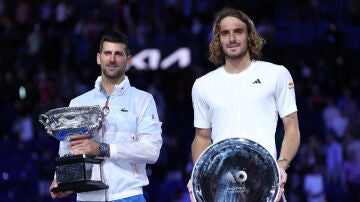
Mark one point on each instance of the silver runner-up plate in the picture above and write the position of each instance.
(235, 170)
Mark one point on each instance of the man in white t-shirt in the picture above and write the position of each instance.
(244, 96)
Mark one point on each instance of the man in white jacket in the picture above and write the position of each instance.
(131, 135)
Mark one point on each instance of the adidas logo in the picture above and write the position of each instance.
(257, 81)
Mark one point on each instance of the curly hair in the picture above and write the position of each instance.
(255, 41)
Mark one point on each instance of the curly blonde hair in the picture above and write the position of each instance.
(255, 41)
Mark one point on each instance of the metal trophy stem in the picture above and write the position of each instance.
(78, 173)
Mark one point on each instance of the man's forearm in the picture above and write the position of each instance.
(198, 146)
(290, 142)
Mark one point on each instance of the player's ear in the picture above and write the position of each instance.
(128, 60)
(98, 55)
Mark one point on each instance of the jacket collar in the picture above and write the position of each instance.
(119, 89)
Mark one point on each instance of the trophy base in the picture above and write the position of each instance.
(79, 187)
(79, 173)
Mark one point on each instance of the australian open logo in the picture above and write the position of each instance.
(236, 180)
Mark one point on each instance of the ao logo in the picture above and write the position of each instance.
(239, 176)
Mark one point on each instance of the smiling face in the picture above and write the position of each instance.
(234, 38)
(113, 61)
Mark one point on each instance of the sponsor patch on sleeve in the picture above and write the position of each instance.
(291, 85)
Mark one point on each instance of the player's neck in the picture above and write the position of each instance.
(236, 66)
(108, 84)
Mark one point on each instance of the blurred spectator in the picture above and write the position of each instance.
(63, 11)
(350, 172)
(34, 40)
(314, 185)
(329, 113)
(22, 12)
(340, 125)
(334, 160)
(24, 126)
(349, 105)
(309, 152)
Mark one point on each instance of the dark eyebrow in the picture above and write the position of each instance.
(224, 31)
(116, 52)
(235, 30)
(239, 29)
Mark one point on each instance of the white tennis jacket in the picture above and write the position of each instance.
(133, 131)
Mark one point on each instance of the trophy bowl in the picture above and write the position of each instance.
(63, 122)
(235, 170)
(78, 173)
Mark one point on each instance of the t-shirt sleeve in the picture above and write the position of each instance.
(201, 109)
(285, 93)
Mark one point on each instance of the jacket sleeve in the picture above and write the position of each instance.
(146, 143)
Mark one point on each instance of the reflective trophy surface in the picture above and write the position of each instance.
(235, 170)
(78, 173)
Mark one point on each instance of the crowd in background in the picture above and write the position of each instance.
(47, 57)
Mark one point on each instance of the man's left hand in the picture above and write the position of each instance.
(283, 179)
(82, 144)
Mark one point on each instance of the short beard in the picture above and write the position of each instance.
(113, 75)
(235, 56)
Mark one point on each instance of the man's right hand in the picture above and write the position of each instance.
(58, 194)
(191, 193)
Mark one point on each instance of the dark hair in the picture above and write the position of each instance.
(116, 37)
(255, 41)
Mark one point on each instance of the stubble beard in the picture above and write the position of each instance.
(235, 56)
(113, 74)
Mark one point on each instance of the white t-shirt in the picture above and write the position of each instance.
(245, 105)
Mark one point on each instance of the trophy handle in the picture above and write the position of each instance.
(43, 119)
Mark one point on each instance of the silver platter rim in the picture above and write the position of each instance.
(247, 142)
